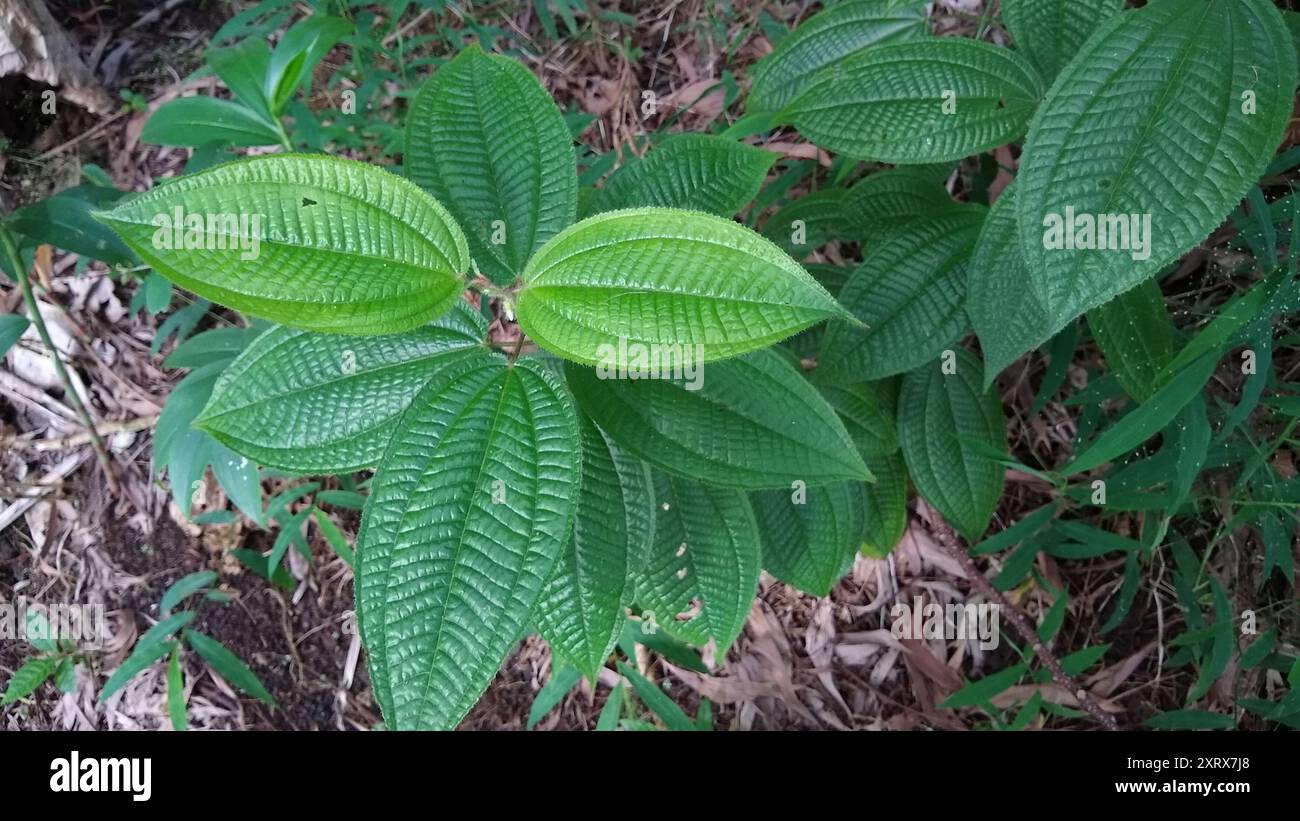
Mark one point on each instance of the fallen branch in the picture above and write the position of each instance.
(952, 544)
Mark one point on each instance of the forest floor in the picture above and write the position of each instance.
(801, 662)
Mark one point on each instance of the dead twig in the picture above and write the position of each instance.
(951, 543)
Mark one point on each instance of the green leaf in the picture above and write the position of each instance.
(607, 721)
(1051, 31)
(228, 665)
(153, 645)
(552, 693)
(811, 221)
(485, 138)
(468, 513)
(824, 40)
(1165, 118)
(327, 403)
(580, 611)
(886, 505)
(1190, 720)
(243, 67)
(65, 221)
(194, 121)
(32, 674)
(936, 412)
(995, 290)
(695, 172)
(895, 103)
(909, 294)
(646, 281)
(810, 535)
(1148, 418)
(334, 537)
(867, 411)
(185, 587)
(657, 701)
(176, 691)
(754, 423)
(12, 328)
(1136, 337)
(297, 54)
(703, 571)
(979, 692)
(882, 203)
(322, 244)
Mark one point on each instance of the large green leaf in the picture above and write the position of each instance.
(928, 100)
(697, 172)
(328, 403)
(997, 290)
(754, 422)
(658, 281)
(580, 611)
(195, 121)
(886, 504)
(484, 137)
(311, 242)
(825, 39)
(936, 412)
(703, 571)
(1051, 31)
(1136, 336)
(882, 203)
(810, 535)
(909, 293)
(1161, 123)
(467, 515)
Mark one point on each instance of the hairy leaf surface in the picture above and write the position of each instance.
(1161, 123)
(935, 412)
(703, 571)
(308, 241)
(486, 139)
(1050, 32)
(695, 172)
(468, 513)
(886, 504)
(825, 39)
(328, 403)
(909, 293)
(755, 422)
(656, 277)
(580, 612)
(895, 103)
(810, 542)
(1007, 315)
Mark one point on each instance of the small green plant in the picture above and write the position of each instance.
(652, 449)
(56, 658)
(169, 635)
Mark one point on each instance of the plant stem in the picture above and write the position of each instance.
(25, 284)
(951, 544)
